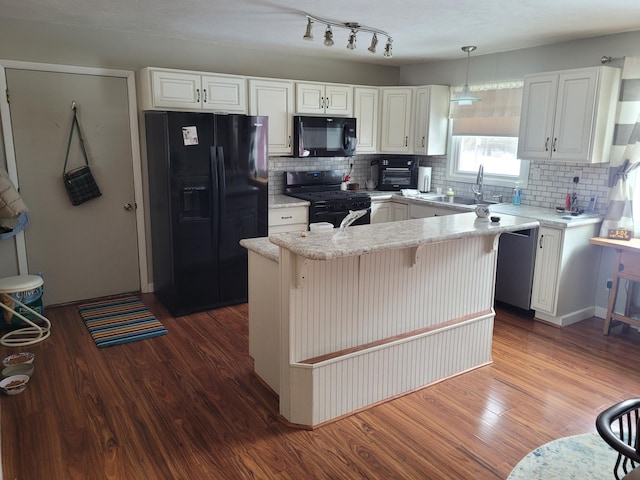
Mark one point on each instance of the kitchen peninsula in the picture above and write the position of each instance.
(343, 319)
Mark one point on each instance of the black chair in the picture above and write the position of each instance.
(618, 426)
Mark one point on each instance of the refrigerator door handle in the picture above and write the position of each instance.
(222, 185)
(214, 194)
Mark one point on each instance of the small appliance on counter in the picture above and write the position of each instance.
(424, 179)
(395, 174)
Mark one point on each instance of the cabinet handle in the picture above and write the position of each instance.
(423, 140)
(406, 141)
(289, 140)
(198, 95)
(540, 241)
(546, 145)
(326, 99)
(286, 218)
(204, 91)
(555, 140)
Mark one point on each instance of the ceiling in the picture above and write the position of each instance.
(422, 30)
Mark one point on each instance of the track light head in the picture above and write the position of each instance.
(374, 42)
(308, 35)
(351, 44)
(328, 36)
(387, 49)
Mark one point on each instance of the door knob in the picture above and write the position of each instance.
(128, 207)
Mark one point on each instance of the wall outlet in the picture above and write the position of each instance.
(609, 284)
(592, 203)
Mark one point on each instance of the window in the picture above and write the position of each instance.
(486, 133)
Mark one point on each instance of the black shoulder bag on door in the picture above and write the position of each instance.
(80, 184)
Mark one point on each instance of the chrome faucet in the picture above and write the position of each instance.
(477, 188)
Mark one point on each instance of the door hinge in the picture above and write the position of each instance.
(7, 94)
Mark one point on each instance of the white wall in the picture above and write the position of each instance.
(515, 64)
(49, 43)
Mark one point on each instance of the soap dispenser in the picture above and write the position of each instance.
(517, 193)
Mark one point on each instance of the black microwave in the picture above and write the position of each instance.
(324, 136)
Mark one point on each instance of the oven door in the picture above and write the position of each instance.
(335, 217)
(396, 178)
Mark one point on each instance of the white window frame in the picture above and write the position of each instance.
(454, 174)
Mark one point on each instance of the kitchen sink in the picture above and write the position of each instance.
(460, 200)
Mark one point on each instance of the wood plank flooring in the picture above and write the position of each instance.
(187, 406)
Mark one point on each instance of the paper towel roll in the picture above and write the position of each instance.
(424, 179)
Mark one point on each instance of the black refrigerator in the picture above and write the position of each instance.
(208, 187)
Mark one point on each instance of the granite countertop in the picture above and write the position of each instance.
(546, 216)
(263, 246)
(284, 201)
(362, 239)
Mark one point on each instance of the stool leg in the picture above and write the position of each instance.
(612, 303)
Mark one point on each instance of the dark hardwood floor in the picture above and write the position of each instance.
(187, 406)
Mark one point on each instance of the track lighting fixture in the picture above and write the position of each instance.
(308, 35)
(351, 44)
(374, 42)
(465, 97)
(354, 28)
(328, 36)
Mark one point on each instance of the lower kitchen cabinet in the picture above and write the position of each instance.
(423, 211)
(565, 274)
(388, 211)
(288, 219)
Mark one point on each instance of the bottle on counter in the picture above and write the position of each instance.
(517, 194)
(450, 194)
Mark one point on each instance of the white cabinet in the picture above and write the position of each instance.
(320, 98)
(192, 91)
(569, 115)
(431, 124)
(365, 106)
(565, 274)
(274, 98)
(288, 219)
(396, 112)
(388, 211)
(423, 211)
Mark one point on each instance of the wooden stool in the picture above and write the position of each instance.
(34, 333)
(625, 267)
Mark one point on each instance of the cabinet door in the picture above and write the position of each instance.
(431, 124)
(396, 120)
(338, 100)
(536, 120)
(399, 211)
(224, 94)
(274, 98)
(380, 212)
(366, 113)
(545, 275)
(575, 116)
(310, 98)
(176, 90)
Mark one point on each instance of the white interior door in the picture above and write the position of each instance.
(89, 250)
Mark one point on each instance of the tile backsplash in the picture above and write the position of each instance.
(549, 181)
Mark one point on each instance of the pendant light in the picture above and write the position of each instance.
(465, 97)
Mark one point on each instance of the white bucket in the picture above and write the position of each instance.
(26, 289)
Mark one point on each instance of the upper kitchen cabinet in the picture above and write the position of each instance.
(320, 98)
(365, 106)
(165, 89)
(274, 98)
(395, 128)
(431, 120)
(569, 115)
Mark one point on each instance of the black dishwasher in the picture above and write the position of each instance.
(514, 274)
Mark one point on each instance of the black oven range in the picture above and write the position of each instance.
(328, 203)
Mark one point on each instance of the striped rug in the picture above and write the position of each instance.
(121, 320)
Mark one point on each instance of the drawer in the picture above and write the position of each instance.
(287, 216)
